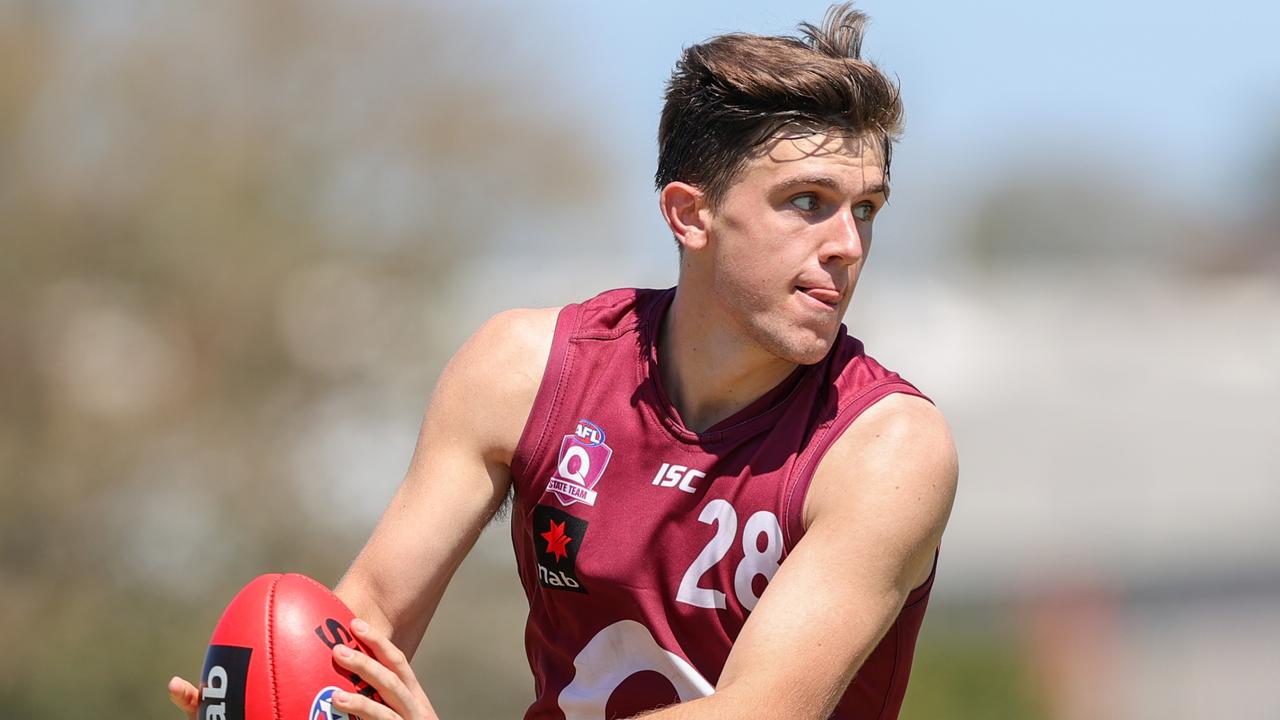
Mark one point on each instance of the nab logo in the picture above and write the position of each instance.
(222, 683)
(322, 707)
(678, 476)
(558, 537)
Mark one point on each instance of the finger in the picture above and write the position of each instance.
(387, 653)
(362, 707)
(387, 683)
(185, 696)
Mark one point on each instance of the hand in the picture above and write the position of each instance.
(185, 696)
(394, 680)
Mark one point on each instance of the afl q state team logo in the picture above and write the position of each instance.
(583, 458)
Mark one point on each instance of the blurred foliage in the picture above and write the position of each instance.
(219, 221)
(969, 666)
(1069, 212)
(1081, 210)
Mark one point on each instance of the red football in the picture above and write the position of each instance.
(271, 655)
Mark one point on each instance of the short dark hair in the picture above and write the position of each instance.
(731, 94)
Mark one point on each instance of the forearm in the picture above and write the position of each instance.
(400, 612)
(363, 603)
(401, 574)
(711, 707)
(729, 705)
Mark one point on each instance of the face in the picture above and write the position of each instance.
(790, 237)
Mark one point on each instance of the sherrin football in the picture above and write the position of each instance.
(271, 654)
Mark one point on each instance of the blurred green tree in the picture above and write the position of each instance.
(224, 224)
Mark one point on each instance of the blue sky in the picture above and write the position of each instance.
(1181, 98)
(1158, 73)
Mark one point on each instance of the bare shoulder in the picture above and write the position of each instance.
(893, 472)
(490, 384)
(899, 429)
(515, 341)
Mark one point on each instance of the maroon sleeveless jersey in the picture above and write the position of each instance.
(643, 546)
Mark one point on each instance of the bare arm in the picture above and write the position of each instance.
(874, 514)
(460, 471)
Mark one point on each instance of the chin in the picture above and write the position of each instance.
(808, 350)
(793, 339)
(811, 356)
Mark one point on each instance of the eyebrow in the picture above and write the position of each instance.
(827, 182)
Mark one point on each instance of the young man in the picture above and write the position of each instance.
(719, 499)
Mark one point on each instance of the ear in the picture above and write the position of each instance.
(684, 208)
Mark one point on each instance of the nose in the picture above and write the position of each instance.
(843, 242)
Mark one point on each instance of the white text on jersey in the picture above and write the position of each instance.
(678, 476)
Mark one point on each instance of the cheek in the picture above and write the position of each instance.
(761, 254)
(758, 260)
(736, 282)
(751, 276)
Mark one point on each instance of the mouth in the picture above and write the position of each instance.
(829, 298)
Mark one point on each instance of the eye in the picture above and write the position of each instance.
(807, 202)
(865, 211)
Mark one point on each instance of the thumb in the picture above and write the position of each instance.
(184, 695)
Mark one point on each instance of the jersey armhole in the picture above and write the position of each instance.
(802, 475)
(549, 397)
(921, 592)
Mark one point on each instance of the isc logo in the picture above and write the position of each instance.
(678, 476)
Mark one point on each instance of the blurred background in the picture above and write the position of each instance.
(238, 241)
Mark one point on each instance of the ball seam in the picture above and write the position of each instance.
(271, 642)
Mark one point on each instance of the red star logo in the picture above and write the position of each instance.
(557, 541)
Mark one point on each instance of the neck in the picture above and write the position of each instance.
(709, 369)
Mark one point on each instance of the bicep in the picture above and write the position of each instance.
(878, 505)
(457, 478)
